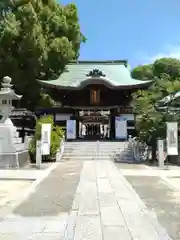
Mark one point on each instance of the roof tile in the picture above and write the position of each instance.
(116, 73)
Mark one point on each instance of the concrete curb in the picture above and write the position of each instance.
(171, 185)
(165, 178)
(7, 209)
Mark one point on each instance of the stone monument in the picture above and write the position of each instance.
(12, 151)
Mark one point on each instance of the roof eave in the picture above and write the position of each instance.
(124, 61)
(132, 86)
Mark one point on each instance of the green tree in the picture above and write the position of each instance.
(151, 123)
(37, 39)
(143, 72)
(161, 67)
(169, 66)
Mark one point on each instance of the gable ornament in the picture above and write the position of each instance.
(95, 73)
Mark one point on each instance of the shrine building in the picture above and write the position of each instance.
(97, 95)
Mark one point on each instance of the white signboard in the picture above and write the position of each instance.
(121, 128)
(172, 138)
(71, 129)
(45, 138)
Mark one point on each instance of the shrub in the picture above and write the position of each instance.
(57, 134)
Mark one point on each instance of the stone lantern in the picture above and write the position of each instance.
(12, 151)
(7, 95)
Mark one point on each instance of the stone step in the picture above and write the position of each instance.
(94, 145)
(94, 158)
(89, 147)
(100, 144)
(100, 148)
(112, 153)
(89, 157)
(82, 151)
(100, 154)
(95, 152)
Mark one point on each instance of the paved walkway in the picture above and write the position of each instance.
(104, 207)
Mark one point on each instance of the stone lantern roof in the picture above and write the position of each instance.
(7, 90)
(7, 94)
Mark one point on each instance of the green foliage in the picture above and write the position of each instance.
(37, 39)
(151, 126)
(169, 66)
(57, 134)
(32, 147)
(151, 123)
(161, 68)
(144, 72)
(46, 100)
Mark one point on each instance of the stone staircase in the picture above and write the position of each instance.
(94, 150)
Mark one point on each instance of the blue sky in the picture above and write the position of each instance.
(137, 30)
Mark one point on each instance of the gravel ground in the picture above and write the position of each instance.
(130, 166)
(9, 189)
(160, 198)
(55, 194)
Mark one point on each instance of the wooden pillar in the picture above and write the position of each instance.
(112, 125)
(114, 113)
(76, 117)
(54, 116)
(77, 124)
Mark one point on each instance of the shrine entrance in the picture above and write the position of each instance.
(94, 125)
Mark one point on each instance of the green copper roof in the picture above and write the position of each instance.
(114, 73)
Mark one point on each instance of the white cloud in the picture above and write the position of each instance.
(171, 51)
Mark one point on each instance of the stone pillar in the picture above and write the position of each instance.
(160, 144)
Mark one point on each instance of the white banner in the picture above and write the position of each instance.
(71, 129)
(45, 138)
(121, 128)
(172, 138)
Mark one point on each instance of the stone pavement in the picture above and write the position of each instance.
(105, 206)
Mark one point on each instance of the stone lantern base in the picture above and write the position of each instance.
(13, 153)
(14, 160)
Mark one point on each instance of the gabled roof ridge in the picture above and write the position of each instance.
(76, 72)
(76, 62)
